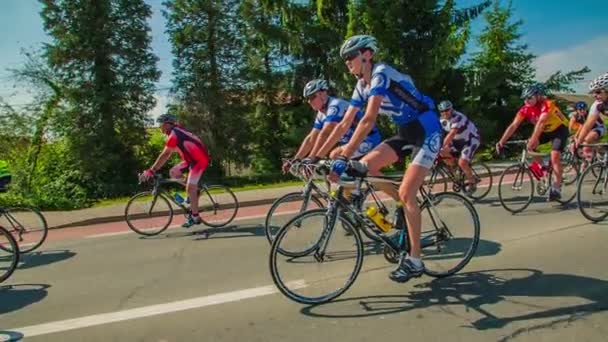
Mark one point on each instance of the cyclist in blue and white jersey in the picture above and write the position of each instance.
(383, 89)
(330, 111)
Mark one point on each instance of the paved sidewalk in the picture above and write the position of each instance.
(115, 212)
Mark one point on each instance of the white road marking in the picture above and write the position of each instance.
(146, 311)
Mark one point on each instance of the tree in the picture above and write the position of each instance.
(562, 82)
(423, 42)
(207, 65)
(101, 51)
(497, 73)
(267, 70)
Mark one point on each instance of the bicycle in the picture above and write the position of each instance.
(442, 172)
(595, 177)
(523, 174)
(320, 225)
(312, 196)
(154, 206)
(9, 254)
(27, 225)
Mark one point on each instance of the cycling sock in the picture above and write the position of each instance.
(416, 261)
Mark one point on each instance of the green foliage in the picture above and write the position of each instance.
(497, 73)
(562, 82)
(207, 74)
(100, 51)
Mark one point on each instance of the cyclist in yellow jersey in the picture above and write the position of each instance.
(549, 125)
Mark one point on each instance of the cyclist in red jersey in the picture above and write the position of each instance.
(550, 125)
(195, 159)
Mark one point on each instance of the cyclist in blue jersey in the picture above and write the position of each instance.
(383, 89)
(330, 111)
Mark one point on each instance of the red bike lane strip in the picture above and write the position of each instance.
(120, 228)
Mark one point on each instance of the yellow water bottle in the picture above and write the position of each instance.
(378, 218)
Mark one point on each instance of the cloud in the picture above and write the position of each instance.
(161, 105)
(592, 53)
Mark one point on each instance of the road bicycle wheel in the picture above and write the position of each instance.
(450, 233)
(483, 173)
(592, 193)
(147, 214)
(217, 205)
(28, 226)
(515, 188)
(285, 208)
(9, 254)
(329, 265)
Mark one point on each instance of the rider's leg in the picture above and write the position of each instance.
(414, 176)
(558, 143)
(591, 138)
(177, 171)
(412, 181)
(465, 160)
(378, 158)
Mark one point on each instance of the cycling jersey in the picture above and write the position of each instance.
(411, 110)
(4, 170)
(5, 175)
(578, 119)
(336, 109)
(466, 128)
(598, 108)
(402, 102)
(193, 152)
(532, 113)
(466, 141)
(190, 148)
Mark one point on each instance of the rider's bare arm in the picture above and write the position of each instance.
(339, 131)
(587, 126)
(364, 126)
(307, 144)
(328, 128)
(162, 158)
(447, 141)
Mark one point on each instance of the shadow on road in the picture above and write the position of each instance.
(453, 247)
(235, 231)
(36, 259)
(18, 296)
(10, 336)
(479, 291)
(204, 233)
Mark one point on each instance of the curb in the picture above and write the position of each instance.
(251, 203)
(118, 218)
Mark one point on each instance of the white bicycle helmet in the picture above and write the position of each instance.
(599, 83)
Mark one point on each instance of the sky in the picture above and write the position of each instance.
(564, 35)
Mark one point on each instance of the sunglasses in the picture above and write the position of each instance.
(349, 57)
(312, 97)
(598, 92)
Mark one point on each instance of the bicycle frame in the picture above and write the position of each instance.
(16, 226)
(159, 189)
(339, 205)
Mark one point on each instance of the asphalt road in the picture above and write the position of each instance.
(537, 276)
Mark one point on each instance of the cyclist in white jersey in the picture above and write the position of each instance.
(462, 138)
(593, 128)
(382, 89)
(330, 111)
